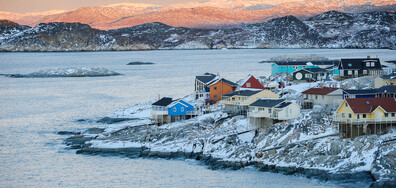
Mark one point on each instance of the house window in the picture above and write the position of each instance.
(356, 72)
(182, 109)
(386, 114)
(174, 109)
(349, 72)
(364, 115)
(343, 115)
(215, 88)
(316, 96)
(269, 110)
(248, 84)
(358, 116)
(364, 71)
(372, 64)
(346, 104)
(308, 75)
(306, 96)
(349, 115)
(368, 64)
(322, 96)
(290, 110)
(215, 96)
(393, 114)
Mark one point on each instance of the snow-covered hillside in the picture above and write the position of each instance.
(307, 145)
(327, 30)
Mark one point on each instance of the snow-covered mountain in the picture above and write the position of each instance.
(209, 14)
(328, 30)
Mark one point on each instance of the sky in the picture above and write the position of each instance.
(23, 6)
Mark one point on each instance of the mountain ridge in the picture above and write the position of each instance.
(328, 30)
(210, 14)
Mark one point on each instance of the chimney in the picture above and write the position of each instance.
(368, 57)
(159, 97)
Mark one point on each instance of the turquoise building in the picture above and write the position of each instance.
(292, 66)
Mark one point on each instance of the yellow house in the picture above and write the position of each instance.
(238, 101)
(385, 80)
(361, 116)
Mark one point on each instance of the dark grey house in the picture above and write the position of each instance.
(350, 68)
(311, 73)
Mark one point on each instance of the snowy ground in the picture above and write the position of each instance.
(310, 141)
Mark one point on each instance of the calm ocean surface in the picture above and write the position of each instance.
(33, 110)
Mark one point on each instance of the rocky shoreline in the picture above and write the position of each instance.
(308, 145)
(79, 141)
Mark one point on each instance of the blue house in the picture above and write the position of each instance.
(292, 66)
(167, 110)
(180, 109)
(385, 91)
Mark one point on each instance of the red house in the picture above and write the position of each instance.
(251, 83)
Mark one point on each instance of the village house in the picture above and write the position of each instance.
(385, 80)
(325, 96)
(251, 82)
(159, 111)
(362, 116)
(167, 110)
(219, 88)
(350, 68)
(292, 66)
(384, 91)
(201, 85)
(237, 102)
(316, 74)
(265, 112)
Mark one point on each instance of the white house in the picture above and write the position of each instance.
(323, 96)
(265, 112)
(201, 85)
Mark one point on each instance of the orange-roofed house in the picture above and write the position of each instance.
(361, 116)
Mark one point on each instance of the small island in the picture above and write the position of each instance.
(140, 63)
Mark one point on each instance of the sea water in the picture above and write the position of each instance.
(33, 110)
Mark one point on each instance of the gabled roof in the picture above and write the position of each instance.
(224, 81)
(267, 102)
(302, 63)
(320, 90)
(284, 104)
(361, 91)
(368, 105)
(244, 93)
(313, 70)
(165, 101)
(180, 101)
(383, 89)
(254, 83)
(206, 78)
(359, 63)
(387, 89)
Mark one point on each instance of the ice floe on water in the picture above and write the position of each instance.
(68, 72)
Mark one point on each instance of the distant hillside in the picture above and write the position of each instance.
(327, 30)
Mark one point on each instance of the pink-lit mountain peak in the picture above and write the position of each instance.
(213, 13)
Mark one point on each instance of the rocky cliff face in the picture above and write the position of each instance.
(328, 30)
